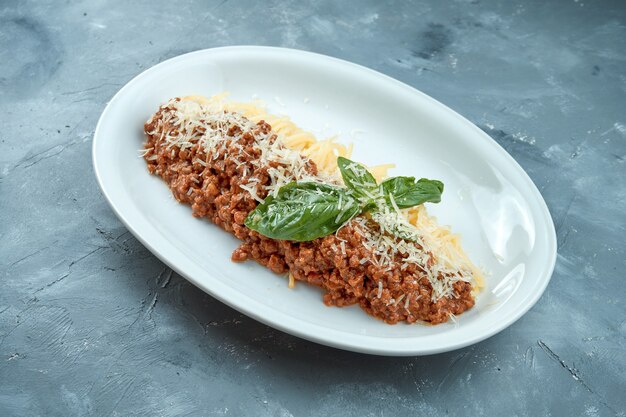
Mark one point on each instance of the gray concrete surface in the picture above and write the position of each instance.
(92, 324)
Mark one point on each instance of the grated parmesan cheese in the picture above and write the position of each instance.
(286, 150)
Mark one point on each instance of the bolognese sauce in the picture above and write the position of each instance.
(223, 165)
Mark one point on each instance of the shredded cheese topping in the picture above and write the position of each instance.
(431, 248)
(207, 122)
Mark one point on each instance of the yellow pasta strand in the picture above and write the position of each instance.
(447, 245)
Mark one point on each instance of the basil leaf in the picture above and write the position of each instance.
(408, 193)
(356, 176)
(303, 211)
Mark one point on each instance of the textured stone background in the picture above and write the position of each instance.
(92, 324)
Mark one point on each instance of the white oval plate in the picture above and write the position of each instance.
(489, 199)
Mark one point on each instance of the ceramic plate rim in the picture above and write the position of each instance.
(316, 333)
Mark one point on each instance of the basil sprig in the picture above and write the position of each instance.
(407, 192)
(356, 177)
(303, 211)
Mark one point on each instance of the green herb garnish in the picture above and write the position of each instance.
(406, 192)
(304, 211)
(356, 177)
